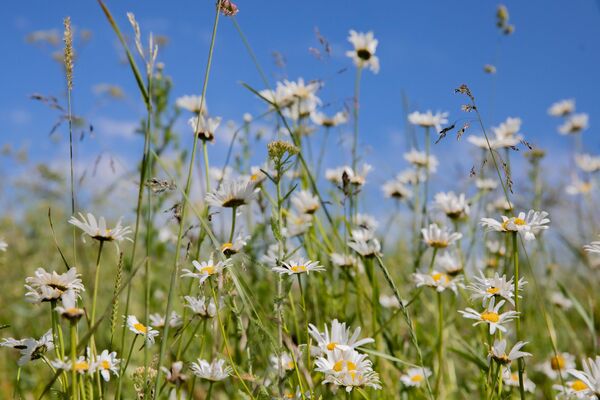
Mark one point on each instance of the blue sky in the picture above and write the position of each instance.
(426, 49)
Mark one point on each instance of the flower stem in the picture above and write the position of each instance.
(74, 390)
(518, 321)
(440, 344)
(233, 216)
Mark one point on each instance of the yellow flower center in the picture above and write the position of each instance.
(438, 244)
(81, 366)
(331, 346)
(254, 177)
(493, 290)
(208, 270)
(298, 268)
(105, 364)
(490, 316)
(226, 246)
(439, 276)
(72, 310)
(417, 378)
(339, 366)
(290, 365)
(140, 328)
(578, 385)
(519, 221)
(557, 363)
(515, 221)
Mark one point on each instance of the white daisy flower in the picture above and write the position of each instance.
(347, 368)
(106, 363)
(561, 301)
(590, 375)
(439, 238)
(301, 97)
(231, 248)
(191, 103)
(557, 365)
(428, 119)
(574, 389)
(202, 306)
(449, 263)
(206, 269)
(69, 309)
(305, 202)
(507, 133)
(338, 118)
(82, 365)
(258, 176)
(339, 337)
(495, 247)
(343, 260)
(437, 280)
(366, 222)
(512, 379)
(420, 160)
(529, 225)
(390, 301)
(30, 349)
(298, 267)
(234, 193)
(574, 124)
(577, 186)
(500, 204)
(455, 207)
(138, 328)
(498, 352)
(174, 375)
(587, 162)
(364, 243)
(214, 371)
(411, 176)
(414, 377)
(204, 127)
(363, 54)
(483, 143)
(497, 286)
(98, 230)
(46, 286)
(396, 190)
(486, 185)
(283, 363)
(491, 316)
(296, 224)
(562, 108)
(158, 321)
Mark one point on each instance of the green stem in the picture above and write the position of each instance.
(518, 321)
(210, 388)
(74, 390)
(440, 344)
(233, 216)
(96, 280)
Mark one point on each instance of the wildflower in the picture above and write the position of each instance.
(587, 162)
(557, 365)
(138, 328)
(439, 238)
(590, 376)
(497, 286)
(338, 118)
(438, 280)
(428, 119)
(363, 54)
(574, 124)
(214, 371)
(69, 309)
(282, 363)
(302, 98)
(364, 243)
(420, 160)
(411, 176)
(192, 103)
(512, 379)
(305, 202)
(396, 190)
(495, 247)
(174, 375)
(343, 260)
(560, 300)
(158, 321)
(228, 8)
(450, 263)
(339, 337)
(455, 207)
(202, 306)
(204, 127)
(562, 108)
(508, 132)
(346, 173)
(258, 175)
(414, 377)
(106, 363)
(206, 269)
(486, 185)
(347, 368)
(298, 267)
(529, 225)
(234, 193)
(491, 316)
(297, 224)
(82, 365)
(30, 348)
(46, 286)
(231, 248)
(574, 389)
(98, 230)
(578, 186)
(366, 222)
(498, 352)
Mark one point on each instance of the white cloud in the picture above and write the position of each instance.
(109, 127)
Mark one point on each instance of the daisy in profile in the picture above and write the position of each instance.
(396, 190)
(449, 263)
(233, 193)
(338, 118)
(364, 243)
(69, 308)
(587, 162)
(174, 375)
(305, 202)
(347, 368)
(158, 321)
(491, 316)
(562, 108)
(486, 185)
(282, 363)
(99, 231)
(339, 337)
(507, 133)
(204, 127)
(428, 119)
(201, 306)
(528, 225)
(412, 176)
(138, 328)
(590, 375)
(512, 379)
(574, 124)
(205, 269)
(296, 224)
(231, 248)
(30, 348)
(192, 103)
(499, 354)
(82, 365)
(419, 159)
(437, 280)
(439, 238)
(214, 371)
(414, 377)
(557, 365)
(574, 389)
(363, 54)
(455, 207)
(561, 301)
(301, 97)
(578, 186)
(340, 175)
(299, 266)
(497, 286)
(51, 286)
(366, 222)
(343, 260)
(106, 363)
